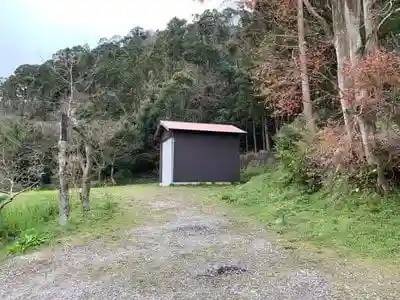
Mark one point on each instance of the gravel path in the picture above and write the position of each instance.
(187, 251)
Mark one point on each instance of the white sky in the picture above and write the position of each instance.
(32, 30)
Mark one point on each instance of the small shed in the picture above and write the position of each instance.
(192, 153)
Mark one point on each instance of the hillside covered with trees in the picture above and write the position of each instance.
(119, 90)
(314, 84)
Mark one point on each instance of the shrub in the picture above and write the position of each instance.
(293, 149)
(27, 240)
(333, 154)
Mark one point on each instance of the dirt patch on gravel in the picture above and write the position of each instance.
(166, 258)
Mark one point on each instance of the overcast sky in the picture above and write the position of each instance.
(32, 30)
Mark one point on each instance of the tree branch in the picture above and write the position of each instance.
(320, 19)
(386, 18)
(13, 196)
(83, 136)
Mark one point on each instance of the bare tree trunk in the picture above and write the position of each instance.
(305, 85)
(62, 171)
(247, 136)
(254, 137)
(354, 9)
(342, 48)
(370, 24)
(267, 141)
(371, 46)
(86, 180)
(112, 174)
(264, 142)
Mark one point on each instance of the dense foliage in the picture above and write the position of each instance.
(239, 66)
(199, 71)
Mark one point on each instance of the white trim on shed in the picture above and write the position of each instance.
(167, 161)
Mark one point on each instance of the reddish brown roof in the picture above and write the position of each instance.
(173, 125)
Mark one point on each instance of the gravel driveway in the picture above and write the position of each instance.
(188, 250)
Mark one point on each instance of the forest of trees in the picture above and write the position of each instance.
(317, 79)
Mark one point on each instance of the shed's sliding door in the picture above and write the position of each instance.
(167, 162)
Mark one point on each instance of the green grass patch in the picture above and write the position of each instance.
(32, 219)
(249, 173)
(362, 224)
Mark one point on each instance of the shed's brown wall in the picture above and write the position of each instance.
(206, 157)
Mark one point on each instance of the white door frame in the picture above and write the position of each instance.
(167, 162)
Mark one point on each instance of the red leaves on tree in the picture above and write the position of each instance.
(373, 74)
(279, 84)
(279, 77)
(376, 70)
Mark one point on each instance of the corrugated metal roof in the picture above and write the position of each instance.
(174, 125)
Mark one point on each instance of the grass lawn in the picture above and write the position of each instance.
(31, 219)
(351, 223)
(363, 225)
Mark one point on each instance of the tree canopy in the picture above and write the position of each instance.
(238, 66)
(191, 71)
